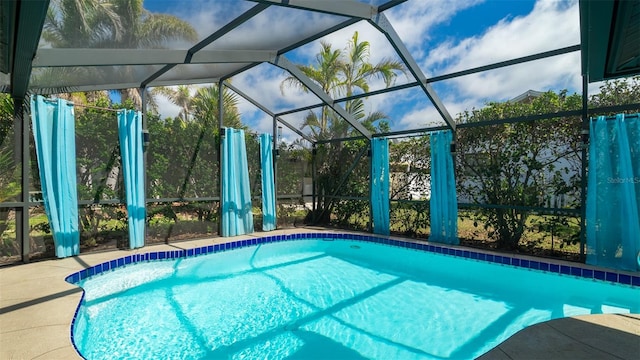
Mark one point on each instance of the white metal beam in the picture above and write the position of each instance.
(59, 57)
(233, 56)
(45, 90)
(348, 8)
(269, 112)
(48, 90)
(116, 57)
(285, 64)
(174, 82)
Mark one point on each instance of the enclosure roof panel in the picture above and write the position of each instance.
(52, 80)
(197, 73)
(610, 38)
(108, 47)
(49, 46)
(277, 27)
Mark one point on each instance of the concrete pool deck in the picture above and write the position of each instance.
(37, 306)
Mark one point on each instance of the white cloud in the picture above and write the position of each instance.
(421, 116)
(594, 88)
(166, 108)
(502, 84)
(550, 25)
(425, 115)
(272, 29)
(415, 20)
(379, 45)
(262, 83)
(207, 17)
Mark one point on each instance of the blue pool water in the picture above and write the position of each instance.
(315, 299)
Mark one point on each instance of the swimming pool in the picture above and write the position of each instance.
(327, 296)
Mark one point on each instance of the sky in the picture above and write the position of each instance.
(442, 36)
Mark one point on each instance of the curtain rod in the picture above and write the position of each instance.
(85, 106)
(613, 117)
(97, 107)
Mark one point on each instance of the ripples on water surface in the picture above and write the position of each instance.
(311, 299)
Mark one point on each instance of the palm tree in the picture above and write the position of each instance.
(78, 23)
(326, 73)
(340, 74)
(357, 70)
(123, 24)
(205, 107)
(180, 96)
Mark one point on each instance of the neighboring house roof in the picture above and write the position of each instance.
(527, 96)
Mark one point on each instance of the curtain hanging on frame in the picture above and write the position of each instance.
(130, 135)
(54, 136)
(237, 216)
(443, 204)
(379, 190)
(268, 183)
(613, 191)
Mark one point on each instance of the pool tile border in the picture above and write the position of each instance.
(539, 265)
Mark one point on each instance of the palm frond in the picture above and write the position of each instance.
(205, 107)
(157, 29)
(292, 82)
